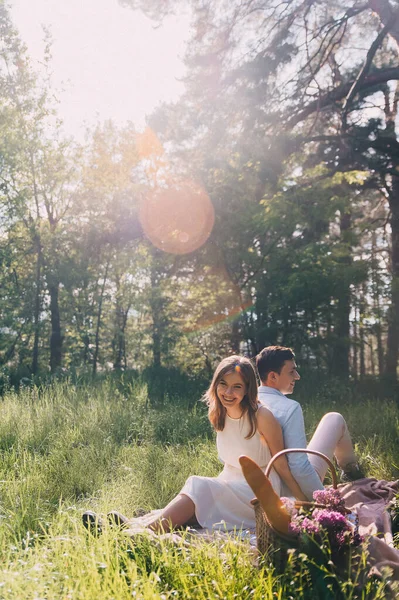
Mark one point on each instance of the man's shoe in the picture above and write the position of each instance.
(116, 518)
(352, 472)
(92, 522)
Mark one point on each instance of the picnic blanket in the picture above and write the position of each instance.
(369, 498)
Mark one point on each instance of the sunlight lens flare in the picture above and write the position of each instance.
(179, 218)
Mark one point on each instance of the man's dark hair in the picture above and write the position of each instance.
(271, 359)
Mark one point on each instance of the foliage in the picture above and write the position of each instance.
(298, 171)
(277, 115)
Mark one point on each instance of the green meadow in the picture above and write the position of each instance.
(68, 447)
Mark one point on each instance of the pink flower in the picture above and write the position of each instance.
(330, 519)
(331, 523)
(331, 498)
(289, 504)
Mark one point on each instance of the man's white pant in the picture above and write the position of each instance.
(332, 438)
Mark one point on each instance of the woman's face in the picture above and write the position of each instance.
(231, 390)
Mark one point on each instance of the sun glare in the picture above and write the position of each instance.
(112, 63)
(109, 62)
(178, 218)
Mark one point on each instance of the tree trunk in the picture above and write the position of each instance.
(340, 350)
(156, 342)
(86, 345)
(56, 338)
(355, 344)
(156, 314)
(372, 361)
(37, 309)
(120, 325)
(10, 352)
(376, 282)
(362, 332)
(120, 341)
(99, 313)
(386, 13)
(235, 336)
(380, 349)
(362, 348)
(391, 360)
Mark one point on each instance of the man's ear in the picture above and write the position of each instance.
(272, 377)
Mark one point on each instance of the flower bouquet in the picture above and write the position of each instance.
(331, 523)
(326, 535)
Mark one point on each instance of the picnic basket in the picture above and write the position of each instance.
(269, 540)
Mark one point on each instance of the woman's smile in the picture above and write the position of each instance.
(231, 391)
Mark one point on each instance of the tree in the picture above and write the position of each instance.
(286, 77)
(36, 175)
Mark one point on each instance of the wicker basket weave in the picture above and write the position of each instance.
(269, 540)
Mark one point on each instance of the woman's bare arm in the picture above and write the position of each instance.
(270, 429)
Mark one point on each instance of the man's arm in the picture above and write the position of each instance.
(301, 469)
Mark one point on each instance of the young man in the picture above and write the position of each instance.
(278, 374)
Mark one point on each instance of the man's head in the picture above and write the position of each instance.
(277, 368)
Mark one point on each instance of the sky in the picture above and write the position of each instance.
(108, 61)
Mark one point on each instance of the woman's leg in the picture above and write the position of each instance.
(180, 511)
(332, 438)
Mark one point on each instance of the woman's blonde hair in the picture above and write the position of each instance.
(216, 410)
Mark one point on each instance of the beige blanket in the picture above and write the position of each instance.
(371, 500)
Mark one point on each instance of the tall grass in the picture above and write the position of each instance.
(65, 448)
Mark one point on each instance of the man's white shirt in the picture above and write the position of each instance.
(289, 414)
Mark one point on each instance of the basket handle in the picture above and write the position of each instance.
(315, 452)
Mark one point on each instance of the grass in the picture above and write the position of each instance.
(66, 448)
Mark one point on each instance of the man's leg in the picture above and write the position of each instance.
(333, 439)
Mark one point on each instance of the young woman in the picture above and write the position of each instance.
(244, 427)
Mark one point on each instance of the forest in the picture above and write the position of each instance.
(261, 208)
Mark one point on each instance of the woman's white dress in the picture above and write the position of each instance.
(223, 502)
